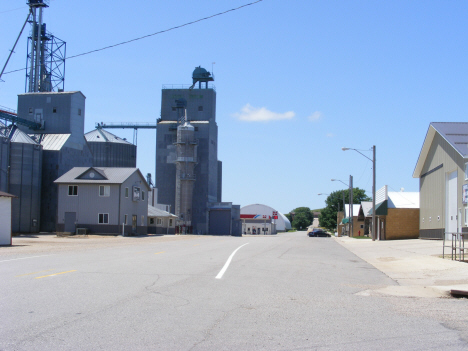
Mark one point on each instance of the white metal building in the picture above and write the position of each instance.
(5, 218)
(263, 219)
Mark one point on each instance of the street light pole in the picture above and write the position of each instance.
(374, 229)
(350, 198)
(351, 232)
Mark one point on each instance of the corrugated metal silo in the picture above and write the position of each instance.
(25, 176)
(4, 158)
(109, 150)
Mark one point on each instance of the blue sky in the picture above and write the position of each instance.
(295, 80)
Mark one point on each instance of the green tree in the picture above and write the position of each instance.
(302, 217)
(334, 203)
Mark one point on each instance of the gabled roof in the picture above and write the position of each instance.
(366, 207)
(114, 175)
(455, 133)
(156, 212)
(102, 136)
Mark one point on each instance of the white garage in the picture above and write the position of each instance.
(5, 218)
(263, 219)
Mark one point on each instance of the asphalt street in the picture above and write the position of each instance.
(281, 292)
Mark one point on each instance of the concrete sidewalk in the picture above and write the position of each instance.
(416, 265)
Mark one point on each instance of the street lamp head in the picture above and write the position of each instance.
(345, 148)
(333, 180)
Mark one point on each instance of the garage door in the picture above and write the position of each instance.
(220, 222)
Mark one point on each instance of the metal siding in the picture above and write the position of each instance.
(432, 187)
(25, 178)
(113, 154)
(129, 207)
(4, 162)
(220, 222)
(5, 219)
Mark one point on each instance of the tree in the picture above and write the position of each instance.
(302, 217)
(334, 203)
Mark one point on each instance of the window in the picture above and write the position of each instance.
(142, 196)
(200, 108)
(143, 220)
(170, 223)
(125, 220)
(466, 171)
(103, 218)
(151, 220)
(104, 190)
(174, 108)
(54, 110)
(126, 192)
(79, 112)
(73, 190)
(30, 110)
(159, 221)
(466, 215)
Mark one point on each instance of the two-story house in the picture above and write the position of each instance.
(107, 200)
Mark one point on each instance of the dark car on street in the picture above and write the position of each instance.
(318, 232)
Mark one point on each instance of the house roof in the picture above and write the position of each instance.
(400, 199)
(355, 210)
(102, 136)
(114, 175)
(366, 207)
(156, 212)
(455, 133)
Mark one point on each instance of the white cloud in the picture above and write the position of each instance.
(315, 116)
(252, 114)
(330, 135)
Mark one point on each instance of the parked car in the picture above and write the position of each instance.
(318, 232)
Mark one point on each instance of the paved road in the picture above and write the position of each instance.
(283, 292)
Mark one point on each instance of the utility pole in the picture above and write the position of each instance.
(351, 205)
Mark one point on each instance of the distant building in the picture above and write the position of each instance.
(103, 200)
(160, 221)
(442, 169)
(188, 172)
(263, 219)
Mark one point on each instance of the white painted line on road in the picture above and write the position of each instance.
(24, 258)
(228, 262)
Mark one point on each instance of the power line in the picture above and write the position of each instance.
(150, 35)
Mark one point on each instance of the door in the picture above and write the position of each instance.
(70, 220)
(134, 224)
(451, 204)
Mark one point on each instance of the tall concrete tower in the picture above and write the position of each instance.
(206, 176)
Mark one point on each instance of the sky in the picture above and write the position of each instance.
(296, 81)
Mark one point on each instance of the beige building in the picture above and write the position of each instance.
(397, 214)
(442, 169)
